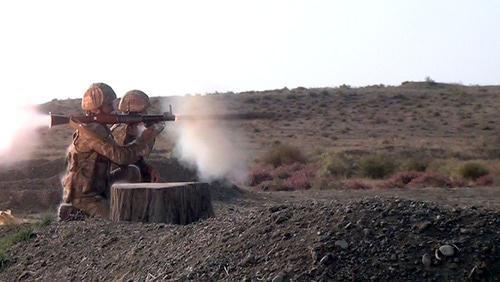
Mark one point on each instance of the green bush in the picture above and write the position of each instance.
(338, 164)
(447, 167)
(415, 164)
(376, 166)
(282, 154)
(473, 171)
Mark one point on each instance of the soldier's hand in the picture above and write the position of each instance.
(149, 134)
(152, 131)
(155, 175)
(158, 126)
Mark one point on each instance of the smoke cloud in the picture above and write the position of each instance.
(18, 133)
(213, 147)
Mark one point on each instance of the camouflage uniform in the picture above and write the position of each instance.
(89, 157)
(87, 181)
(125, 134)
(134, 101)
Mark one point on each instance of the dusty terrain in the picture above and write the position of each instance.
(431, 119)
(303, 235)
(289, 236)
(450, 119)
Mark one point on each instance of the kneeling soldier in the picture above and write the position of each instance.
(93, 149)
(135, 102)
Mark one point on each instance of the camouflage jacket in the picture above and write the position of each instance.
(89, 158)
(124, 134)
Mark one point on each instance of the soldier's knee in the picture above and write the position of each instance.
(128, 174)
(132, 174)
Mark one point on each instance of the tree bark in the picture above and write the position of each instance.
(175, 203)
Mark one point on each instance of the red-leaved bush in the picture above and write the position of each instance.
(285, 171)
(259, 174)
(401, 179)
(431, 179)
(485, 180)
(356, 184)
(294, 176)
(301, 179)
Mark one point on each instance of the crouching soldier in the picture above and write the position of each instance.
(88, 179)
(135, 102)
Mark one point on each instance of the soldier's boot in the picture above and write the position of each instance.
(96, 206)
(67, 212)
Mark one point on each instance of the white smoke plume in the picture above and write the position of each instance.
(18, 133)
(213, 147)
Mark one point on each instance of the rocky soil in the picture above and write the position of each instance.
(264, 236)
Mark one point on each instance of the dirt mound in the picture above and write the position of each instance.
(303, 240)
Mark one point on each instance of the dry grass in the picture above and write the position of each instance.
(473, 171)
(420, 126)
(24, 234)
(283, 154)
(363, 170)
(457, 118)
(376, 166)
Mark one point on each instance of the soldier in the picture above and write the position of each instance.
(88, 179)
(135, 102)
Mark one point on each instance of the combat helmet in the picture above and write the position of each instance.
(134, 101)
(97, 95)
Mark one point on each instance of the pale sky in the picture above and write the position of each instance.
(56, 49)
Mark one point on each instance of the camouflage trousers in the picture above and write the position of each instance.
(98, 205)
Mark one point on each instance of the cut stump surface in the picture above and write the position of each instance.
(174, 203)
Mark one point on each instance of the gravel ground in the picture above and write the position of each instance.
(256, 237)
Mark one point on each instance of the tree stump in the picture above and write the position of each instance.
(175, 203)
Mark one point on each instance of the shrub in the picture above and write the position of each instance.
(377, 166)
(259, 174)
(485, 180)
(429, 80)
(338, 164)
(430, 179)
(282, 154)
(401, 179)
(356, 184)
(473, 171)
(300, 180)
(285, 171)
(448, 167)
(415, 164)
